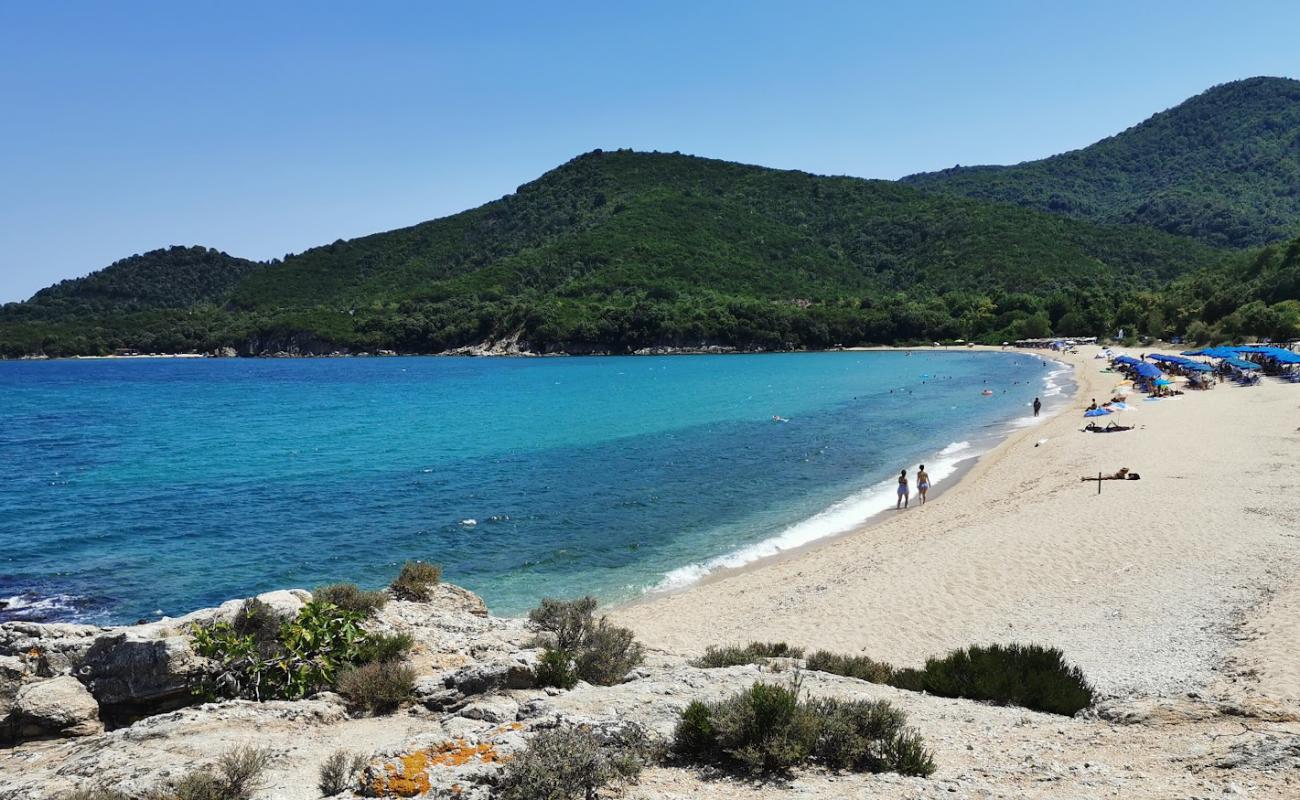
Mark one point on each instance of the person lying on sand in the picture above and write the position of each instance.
(1111, 427)
(1124, 474)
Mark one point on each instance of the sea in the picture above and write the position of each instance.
(137, 488)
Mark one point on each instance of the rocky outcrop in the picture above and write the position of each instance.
(59, 706)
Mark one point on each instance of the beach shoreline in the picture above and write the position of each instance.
(1156, 589)
(962, 468)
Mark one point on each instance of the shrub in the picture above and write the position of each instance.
(556, 669)
(260, 622)
(568, 621)
(1031, 676)
(385, 647)
(765, 728)
(575, 763)
(350, 597)
(378, 686)
(695, 737)
(416, 580)
(867, 736)
(752, 653)
(608, 654)
(305, 657)
(599, 652)
(340, 772)
(768, 729)
(860, 667)
(95, 793)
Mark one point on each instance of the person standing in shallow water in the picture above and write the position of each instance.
(922, 483)
(1038, 404)
(902, 490)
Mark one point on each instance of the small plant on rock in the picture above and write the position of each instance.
(768, 729)
(752, 653)
(350, 597)
(556, 669)
(377, 687)
(417, 580)
(575, 763)
(340, 772)
(597, 651)
(860, 667)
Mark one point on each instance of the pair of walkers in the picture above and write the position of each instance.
(922, 486)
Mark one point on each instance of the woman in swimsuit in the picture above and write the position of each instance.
(902, 490)
(922, 483)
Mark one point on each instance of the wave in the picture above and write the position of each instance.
(31, 607)
(841, 517)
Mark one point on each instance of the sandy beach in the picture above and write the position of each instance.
(1180, 582)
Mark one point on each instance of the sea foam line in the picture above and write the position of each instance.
(841, 517)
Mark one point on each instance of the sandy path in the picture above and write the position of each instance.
(1149, 586)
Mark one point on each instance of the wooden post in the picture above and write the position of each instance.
(1098, 483)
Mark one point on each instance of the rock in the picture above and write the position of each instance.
(59, 706)
(131, 675)
(496, 709)
(56, 647)
(14, 672)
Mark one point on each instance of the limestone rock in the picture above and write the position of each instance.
(138, 673)
(59, 706)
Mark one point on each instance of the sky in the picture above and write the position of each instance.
(266, 128)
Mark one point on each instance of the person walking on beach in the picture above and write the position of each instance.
(922, 483)
(902, 490)
(1038, 405)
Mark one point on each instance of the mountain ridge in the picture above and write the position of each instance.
(1222, 166)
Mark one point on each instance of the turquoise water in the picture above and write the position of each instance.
(133, 488)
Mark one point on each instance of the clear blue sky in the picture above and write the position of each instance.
(265, 128)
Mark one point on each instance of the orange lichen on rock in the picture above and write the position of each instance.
(407, 780)
(457, 753)
(408, 775)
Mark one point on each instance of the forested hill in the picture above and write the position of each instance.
(1223, 167)
(176, 277)
(616, 251)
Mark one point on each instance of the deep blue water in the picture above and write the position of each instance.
(130, 488)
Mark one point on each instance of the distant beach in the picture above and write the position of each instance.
(1181, 582)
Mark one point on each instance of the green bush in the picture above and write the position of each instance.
(607, 655)
(377, 687)
(556, 669)
(867, 736)
(768, 729)
(416, 581)
(752, 653)
(575, 763)
(385, 647)
(860, 667)
(597, 651)
(1031, 676)
(568, 621)
(695, 737)
(262, 657)
(350, 597)
(340, 772)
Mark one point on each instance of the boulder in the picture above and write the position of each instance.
(130, 675)
(59, 706)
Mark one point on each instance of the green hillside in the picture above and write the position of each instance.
(616, 251)
(1223, 167)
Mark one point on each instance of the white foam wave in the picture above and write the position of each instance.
(36, 608)
(841, 517)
